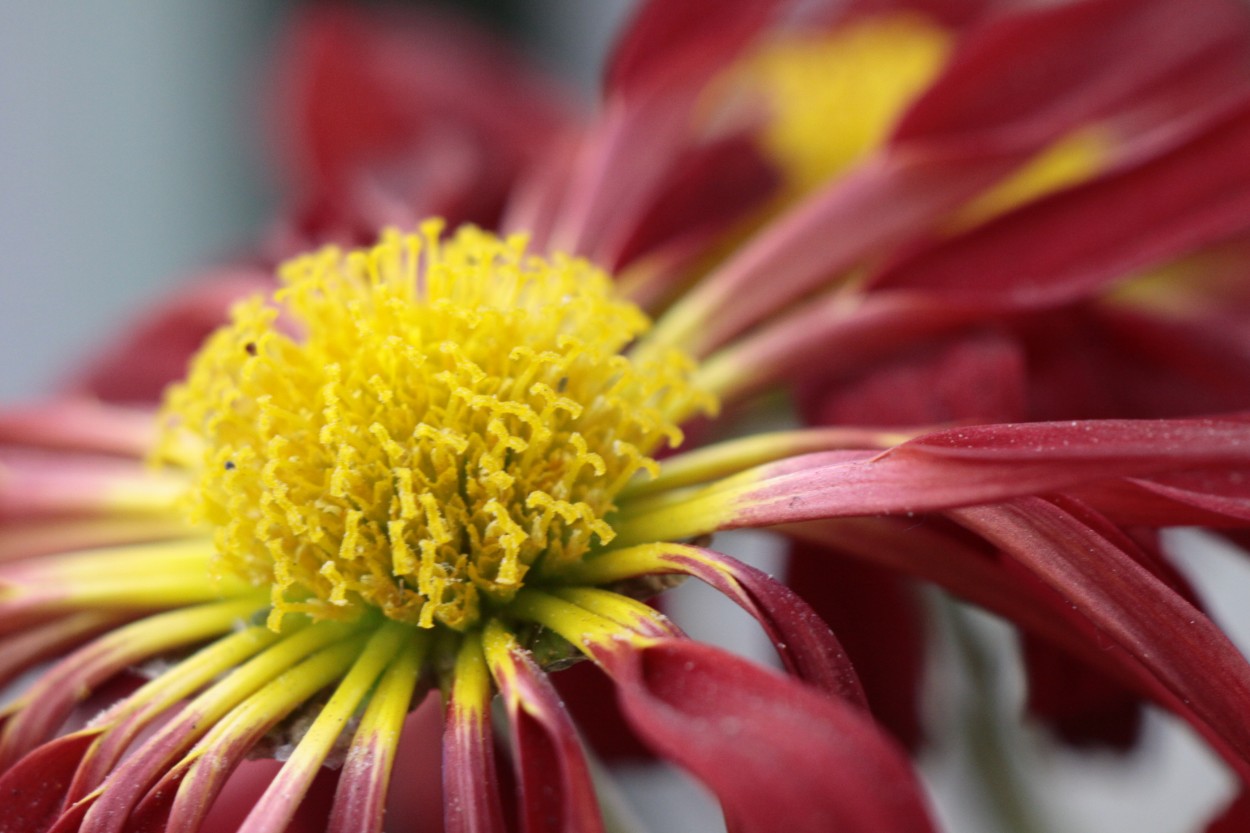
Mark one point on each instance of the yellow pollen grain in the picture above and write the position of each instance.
(414, 427)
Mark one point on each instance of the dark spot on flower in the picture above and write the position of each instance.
(250, 347)
(229, 465)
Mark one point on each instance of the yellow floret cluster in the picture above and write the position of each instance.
(416, 427)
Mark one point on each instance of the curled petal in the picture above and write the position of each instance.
(778, 755)
(806, 645)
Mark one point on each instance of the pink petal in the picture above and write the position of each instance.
(983, 464)
(34, 790)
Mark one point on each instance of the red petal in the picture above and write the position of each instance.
(35, 788)
(983, 464)
(470, 784)
(669, 41)
(976, 377)
(807, 646)
(1202, 675)
(1076, 61)
(1073, 243)
(356, 89)
(878, 619)
(155, 351)
(557, 794)
(776, 754)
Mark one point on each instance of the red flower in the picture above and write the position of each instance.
(422, 469)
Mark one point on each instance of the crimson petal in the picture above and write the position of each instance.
(1174, 642)
(557, 794)
(777, 754)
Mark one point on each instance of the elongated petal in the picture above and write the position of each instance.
(275, 809)
(360, 801)
(557, 795)
(806, 645)
(179, 802)
(776, 754)
(106, 810)
(70, 681)
(1074, 242)
(880, 624)
(360, 91)
(80, 425)
(35, 485)
(1076, 60)
(958, 467)
(470, 783)
(666, 40)
(1177, 644)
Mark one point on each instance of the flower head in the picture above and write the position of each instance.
(449, 461)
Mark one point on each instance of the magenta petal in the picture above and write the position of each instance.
(557, 794)
(1202, 675)
(778, 755)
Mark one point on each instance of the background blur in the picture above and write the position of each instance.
(130, 154)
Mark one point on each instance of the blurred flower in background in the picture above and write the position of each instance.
(993, 254)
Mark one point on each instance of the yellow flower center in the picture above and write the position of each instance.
(416, 427)
(833, 98)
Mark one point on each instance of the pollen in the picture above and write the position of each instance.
(419, 427)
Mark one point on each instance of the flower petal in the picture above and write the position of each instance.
(777, 755)
(470, 782)
(34, 791)
(807, 647)
(1074, 242)
(1205, 675)
(557, 794)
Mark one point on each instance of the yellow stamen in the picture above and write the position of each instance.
(415, 426)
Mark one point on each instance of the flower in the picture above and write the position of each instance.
(450, 461)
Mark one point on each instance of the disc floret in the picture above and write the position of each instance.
(421, 426)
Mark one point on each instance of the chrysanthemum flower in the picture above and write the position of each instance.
(451, 462)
